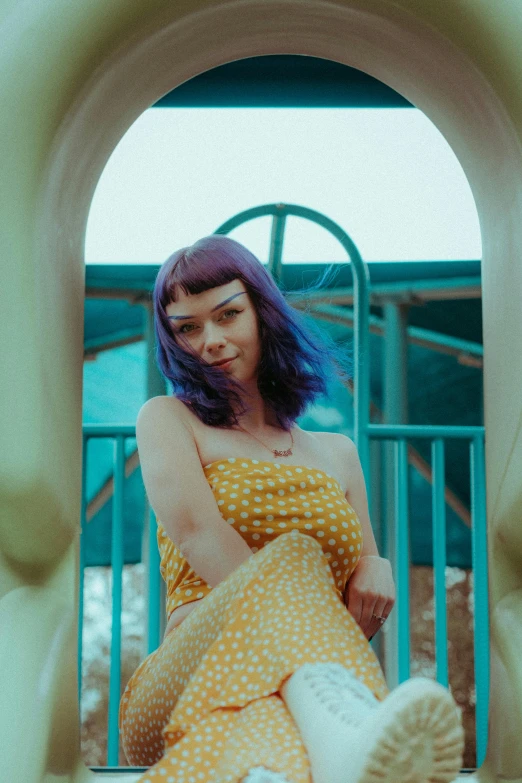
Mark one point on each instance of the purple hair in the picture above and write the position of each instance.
(297, 359)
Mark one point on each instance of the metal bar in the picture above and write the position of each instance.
(112, 340)
(480, 594)
(81, 577)
(154, 606)
(465, 287)
(416, 335)
(109, 430)
(403, 558)
(439, 560)
(275, 258)
(117, 573)
(398, 431)
(403, 291)
(361, 342)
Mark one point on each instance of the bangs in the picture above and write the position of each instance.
(197, 271)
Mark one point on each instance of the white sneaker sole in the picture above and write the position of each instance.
(414, 736)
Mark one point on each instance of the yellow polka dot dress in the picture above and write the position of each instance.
(205, 706)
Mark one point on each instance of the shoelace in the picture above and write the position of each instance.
(328, 684)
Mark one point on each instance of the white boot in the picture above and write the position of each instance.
(414, 736)
(263, 775)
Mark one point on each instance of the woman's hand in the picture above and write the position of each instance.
(179, 614)
(370, 591)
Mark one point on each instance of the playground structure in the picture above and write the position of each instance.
(450, 66)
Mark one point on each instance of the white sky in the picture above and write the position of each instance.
(387, 176)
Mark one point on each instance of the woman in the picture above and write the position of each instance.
(275, 584)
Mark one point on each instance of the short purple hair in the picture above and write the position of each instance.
(297, 360)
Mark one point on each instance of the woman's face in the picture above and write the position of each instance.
(219, 324)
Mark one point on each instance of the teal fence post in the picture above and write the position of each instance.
(439, 560)
(403, 557)
(117, 573)
(480, 592)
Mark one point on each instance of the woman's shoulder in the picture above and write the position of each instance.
(165, 408)
(164, 402)
(335, 440)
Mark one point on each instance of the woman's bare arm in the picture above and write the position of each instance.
(357, 496)
(180, 494)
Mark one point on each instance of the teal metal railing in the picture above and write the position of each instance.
(119, 434)
(398, 434)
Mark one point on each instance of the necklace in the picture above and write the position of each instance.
(275, 452)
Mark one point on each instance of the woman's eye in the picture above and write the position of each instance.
(182, 330)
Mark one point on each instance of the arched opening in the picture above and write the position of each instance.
(395, 47)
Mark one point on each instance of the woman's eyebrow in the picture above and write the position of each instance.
(181, 317)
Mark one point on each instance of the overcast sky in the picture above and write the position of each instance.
(387, 176)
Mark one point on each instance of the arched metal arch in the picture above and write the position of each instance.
(361, 301)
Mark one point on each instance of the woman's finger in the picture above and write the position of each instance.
(381, 610)
(374, 627)
(367, 612)
(355, 605)
(380, 607)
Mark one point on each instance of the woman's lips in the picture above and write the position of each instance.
(227, 363)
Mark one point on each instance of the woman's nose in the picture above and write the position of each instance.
(213, 338)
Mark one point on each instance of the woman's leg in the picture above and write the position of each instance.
(202, 689)
(414, 735)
